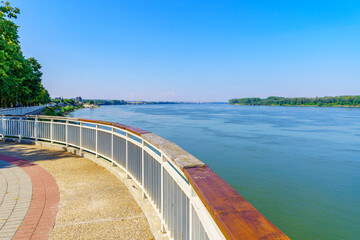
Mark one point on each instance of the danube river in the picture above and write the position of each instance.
(299, 166)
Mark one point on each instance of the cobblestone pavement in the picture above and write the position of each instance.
(15, 198)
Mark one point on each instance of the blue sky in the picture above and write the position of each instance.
(193, 50)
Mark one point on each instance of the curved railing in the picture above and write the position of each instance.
(191, 200)
(22, 110)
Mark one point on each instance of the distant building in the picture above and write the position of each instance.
(78, 99)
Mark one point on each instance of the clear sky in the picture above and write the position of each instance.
(193, 50)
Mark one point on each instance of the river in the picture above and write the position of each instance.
(299, 166)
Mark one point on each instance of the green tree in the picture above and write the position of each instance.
(20, 78)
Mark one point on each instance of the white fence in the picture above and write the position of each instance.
(21, 110)
(182, 213)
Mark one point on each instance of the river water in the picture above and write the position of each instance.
(299, 166)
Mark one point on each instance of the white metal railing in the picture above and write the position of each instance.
(182, 213)
(22, 110)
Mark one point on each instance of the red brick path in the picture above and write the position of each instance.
(41, 216)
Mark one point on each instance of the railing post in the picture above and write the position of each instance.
(127, 156)
(163, 160)
(51, 131)
(80, 144)
(112, 147)
(66, 133)
(2, 126)
(142, 167)
(96, 140)
(190, 219)
(20, 129)
(36, 130)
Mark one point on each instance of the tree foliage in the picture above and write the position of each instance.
(123, 102)
(299, 101)
(20, 77)
(104, 102)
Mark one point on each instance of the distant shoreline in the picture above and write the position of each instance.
(337, 101)
(274, 105)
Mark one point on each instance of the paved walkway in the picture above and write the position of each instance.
(15, 197)
(94, 204)
(30, 200)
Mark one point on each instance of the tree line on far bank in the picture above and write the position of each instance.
(20, 77)
(104, 102)
(353, 101)
(123, 102)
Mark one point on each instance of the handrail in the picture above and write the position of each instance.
(191, 200)
(22, 110)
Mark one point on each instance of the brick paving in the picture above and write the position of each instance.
(30, 200)
(15, 198)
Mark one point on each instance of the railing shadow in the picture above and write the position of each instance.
(5, 164)
(30, 153)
